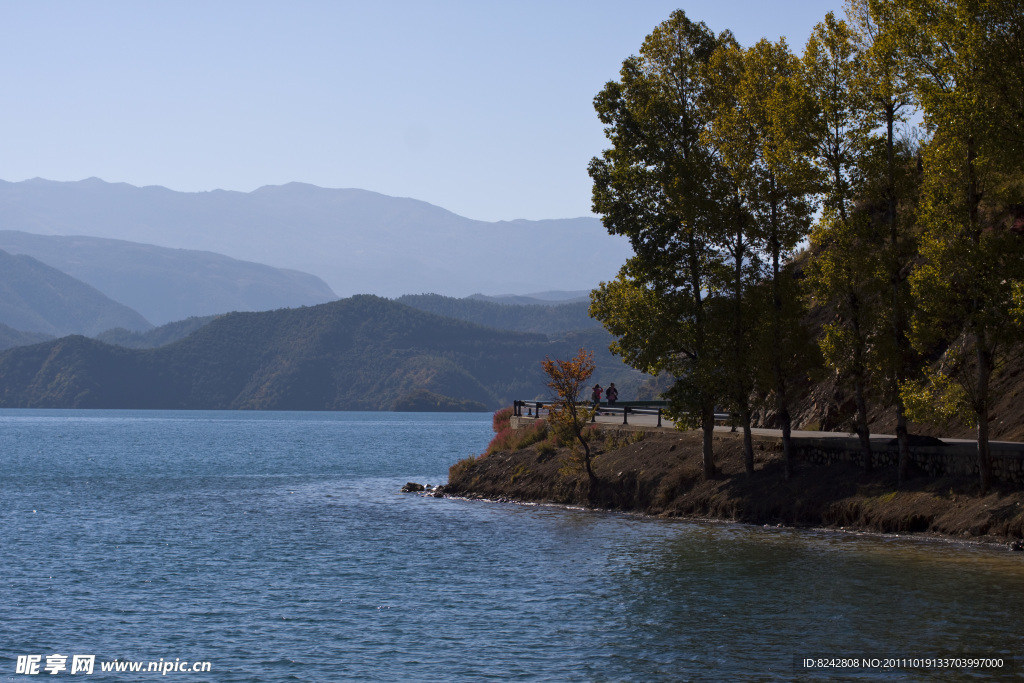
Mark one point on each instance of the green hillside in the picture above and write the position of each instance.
(363, 353)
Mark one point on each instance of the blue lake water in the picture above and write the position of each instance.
(276, 546)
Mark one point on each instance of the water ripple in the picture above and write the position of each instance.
(277, 547)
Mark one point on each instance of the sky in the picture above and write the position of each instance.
(478, 106)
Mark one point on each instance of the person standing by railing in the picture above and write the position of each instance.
(611, 394)
(595, 396)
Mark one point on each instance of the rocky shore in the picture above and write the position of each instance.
(658, 472)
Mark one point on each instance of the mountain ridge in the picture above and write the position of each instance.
(168, 284)
(35, 297)
(360, 353)
(356, 240)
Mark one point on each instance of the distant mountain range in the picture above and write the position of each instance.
(35, 297)
(537, 299)
(73, 271)
(166, 284)
(167, 333)
(548, 319)
(10, 337)
(362, 353)
(355, 240)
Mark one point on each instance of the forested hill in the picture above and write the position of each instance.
(362, 353)
(550, 319)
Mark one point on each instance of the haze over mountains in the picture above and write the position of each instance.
(166, 285)
(355, 240)
(71, 272)
(37, 298)
(570, 316)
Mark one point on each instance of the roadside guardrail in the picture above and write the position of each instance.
(626, 408)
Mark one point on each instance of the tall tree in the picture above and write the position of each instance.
(884, 81)
(844, 248)
(964, 53)
(656, 185)
(760, 131)
(729, 139)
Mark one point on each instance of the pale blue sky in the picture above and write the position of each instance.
(481, 107)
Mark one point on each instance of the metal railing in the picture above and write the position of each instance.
(533, 409)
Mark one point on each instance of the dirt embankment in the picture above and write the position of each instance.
(660, 473)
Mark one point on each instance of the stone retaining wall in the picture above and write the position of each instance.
(516, 422)
(937, 461)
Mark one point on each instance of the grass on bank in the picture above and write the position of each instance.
(545, 440)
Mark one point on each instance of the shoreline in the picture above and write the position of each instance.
(989, 543)
(657, 473)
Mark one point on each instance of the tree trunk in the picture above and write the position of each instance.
(859, 380)
(984, 372)
(903, 441)
(782, 400)
(740, 349)
(787, 442)
(981, 345)
(863, 431)
(748, 441)
(708, 425)
(899, 325)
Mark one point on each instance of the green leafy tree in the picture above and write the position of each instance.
(844, 248)
(779, 105)
(759, 133)
(884, 80)
(658, 185)
(964, 54)
(730, 303)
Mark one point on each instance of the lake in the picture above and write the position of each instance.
(277, 546)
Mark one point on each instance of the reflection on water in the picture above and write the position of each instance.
(740, 591)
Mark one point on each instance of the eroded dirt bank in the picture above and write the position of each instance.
(660, 474)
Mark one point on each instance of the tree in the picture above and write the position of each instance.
(965, 53)
(569, 418)
(729, 138)
(884, 80)
(657, 185)
(843, 246)
(769, 147)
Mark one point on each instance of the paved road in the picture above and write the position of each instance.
(652, 421)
